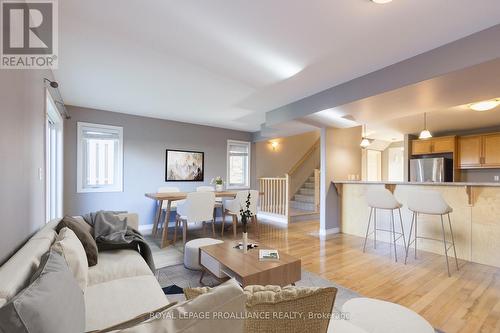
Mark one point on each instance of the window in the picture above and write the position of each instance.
(238, 164)
(53, 160)
(373, 165)
(100, 158)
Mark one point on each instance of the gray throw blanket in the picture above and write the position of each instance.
(112, 232)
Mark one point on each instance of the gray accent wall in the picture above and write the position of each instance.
(22, 133)
(145, 142)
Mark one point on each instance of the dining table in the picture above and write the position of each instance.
(170, 197)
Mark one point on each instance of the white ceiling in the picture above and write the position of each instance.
(225, 63)
(446, 100)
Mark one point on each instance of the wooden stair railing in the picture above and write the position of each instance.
(275, 195)
(308, 153)
(276, 191)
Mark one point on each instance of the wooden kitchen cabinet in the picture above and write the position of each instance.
(445, 144)
(491, 150)
(470, 151)
(420, 147)
(479, 151)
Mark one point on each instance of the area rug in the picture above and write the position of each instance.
(185, 278)
(180, 276)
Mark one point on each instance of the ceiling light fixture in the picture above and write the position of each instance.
(485, 105)
(381, 1)
(425, 134)
(365, 142)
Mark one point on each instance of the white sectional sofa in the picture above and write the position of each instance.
(120, 287)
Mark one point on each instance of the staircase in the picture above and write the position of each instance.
(303, 204)
(303, 181)
(304, 198)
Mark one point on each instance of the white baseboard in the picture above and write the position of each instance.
(323, 232)
(326, 234)
(273, 217)
(145, 227)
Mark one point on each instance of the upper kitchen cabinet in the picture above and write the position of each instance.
(479, 151)
(439, 145)
(491, 150)
(470, 151)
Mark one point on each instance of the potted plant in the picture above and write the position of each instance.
(245, 215)
(219, 183)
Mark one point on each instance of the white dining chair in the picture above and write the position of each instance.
(218, 201)
(430, 203)
(232, 207)
(164, 207)
(198, 207)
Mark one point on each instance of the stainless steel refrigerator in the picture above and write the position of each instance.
(435, 170)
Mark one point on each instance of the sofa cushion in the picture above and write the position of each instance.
(84, 233)
(116, 264)
(221, 309)
(17, 271)
(110, 303)
(53, 302)
(70, 247)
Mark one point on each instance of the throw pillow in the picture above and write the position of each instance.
(70, 247)
(53, 301)
(222, 309)
(84, 233)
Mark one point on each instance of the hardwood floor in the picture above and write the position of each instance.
(468, 301)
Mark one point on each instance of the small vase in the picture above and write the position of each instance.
(245, 242)
(219, 188)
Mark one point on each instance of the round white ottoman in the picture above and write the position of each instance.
(378, 316)
(192, 251)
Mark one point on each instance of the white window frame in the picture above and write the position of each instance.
(249, 145)
(53, 160)
(79, 172)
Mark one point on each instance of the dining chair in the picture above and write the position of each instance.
(164, 207)
(197, 207)
(233, 206)
(218, 201)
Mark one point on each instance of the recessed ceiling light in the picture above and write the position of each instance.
(381, 1)
(485, 105)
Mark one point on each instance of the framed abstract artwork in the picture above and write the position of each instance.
(184, 166)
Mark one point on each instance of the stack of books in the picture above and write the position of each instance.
(269, 255)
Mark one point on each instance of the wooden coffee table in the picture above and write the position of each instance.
(224, 261)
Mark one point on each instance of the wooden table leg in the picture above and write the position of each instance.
(235, 223)
(164, 237)
(157, 217)
(184, 231)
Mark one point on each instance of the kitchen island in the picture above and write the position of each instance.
(475, 217)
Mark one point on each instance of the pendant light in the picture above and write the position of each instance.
(365, 142)
(425, 134)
